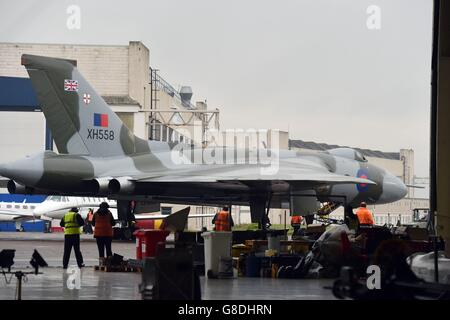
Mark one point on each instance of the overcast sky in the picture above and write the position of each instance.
(310, 66)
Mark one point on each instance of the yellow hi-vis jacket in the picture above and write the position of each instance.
(71, 225)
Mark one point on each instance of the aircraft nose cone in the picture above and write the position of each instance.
(10, 171)
(393, 189)
(25, 170)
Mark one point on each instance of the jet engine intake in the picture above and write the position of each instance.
(17, 188)
(122, 185)
(98, 186)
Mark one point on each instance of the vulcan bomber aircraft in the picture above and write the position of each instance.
(99, 156)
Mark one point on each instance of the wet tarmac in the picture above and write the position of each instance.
(55, 283)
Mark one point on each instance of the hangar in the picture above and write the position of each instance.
(139, 107)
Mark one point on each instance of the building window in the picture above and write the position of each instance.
(166, 210)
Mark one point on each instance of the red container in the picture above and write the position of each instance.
(56, 229)
(139, 239)
(145, 224)
(147, 241)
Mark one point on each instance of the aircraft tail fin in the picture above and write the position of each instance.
(80, 120)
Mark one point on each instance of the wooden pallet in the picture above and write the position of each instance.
(117, 269)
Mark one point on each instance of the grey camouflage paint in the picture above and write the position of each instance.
(148, 165)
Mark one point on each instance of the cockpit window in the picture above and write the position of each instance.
(55, 198)
(348, 153)
(359, 156)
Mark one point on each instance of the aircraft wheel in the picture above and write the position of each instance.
(338, 289)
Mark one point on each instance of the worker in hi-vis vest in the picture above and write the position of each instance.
(72, 222)
(296, 222)
(223, 220)
(364, 215)
(103, 222)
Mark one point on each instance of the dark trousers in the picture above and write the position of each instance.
(72, 240)
(87, 228)
(102, 244)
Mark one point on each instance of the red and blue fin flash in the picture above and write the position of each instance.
(100, 120)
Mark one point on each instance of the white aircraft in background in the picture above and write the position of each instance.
(17, 211)
(55, 207)
(18, 208)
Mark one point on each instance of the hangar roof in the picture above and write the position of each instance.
(323, 146)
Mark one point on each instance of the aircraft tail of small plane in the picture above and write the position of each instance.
(80, 120)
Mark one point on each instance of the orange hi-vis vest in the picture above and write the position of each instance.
(103, 227)
(296, 220)
(364, 216)
(222, 221)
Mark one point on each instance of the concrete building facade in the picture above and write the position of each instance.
(121, 74)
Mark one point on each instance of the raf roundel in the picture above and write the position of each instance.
(364, 174)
